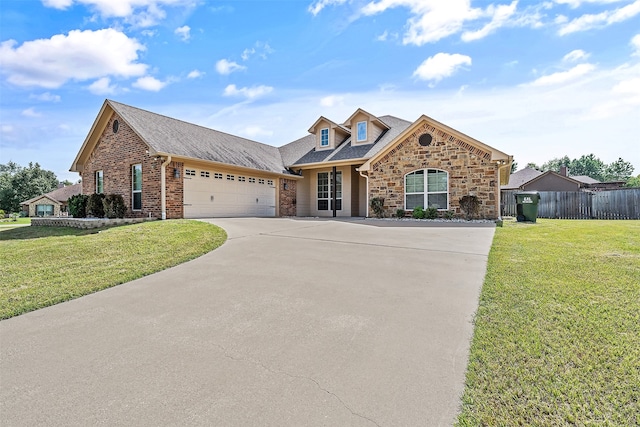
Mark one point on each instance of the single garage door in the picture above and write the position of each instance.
(210, 194)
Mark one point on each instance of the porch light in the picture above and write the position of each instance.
(176, 173)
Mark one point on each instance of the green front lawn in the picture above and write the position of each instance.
(9, 222)
(42, 266)
(557, 332)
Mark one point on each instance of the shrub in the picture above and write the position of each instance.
(377, 205)
(114, 206)
(469, 205)
(1, 213)
(78, 205)
(448, 214)
(431, 213)
(94, 205)
(400, 213)
(418, 212)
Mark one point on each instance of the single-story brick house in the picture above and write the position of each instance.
(168, 168)
(53, 203)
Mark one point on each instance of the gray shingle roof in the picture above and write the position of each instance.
(348, 151)
(585, 179)
(59, 194)
(517, 179)
(167, 135)
(297, 149)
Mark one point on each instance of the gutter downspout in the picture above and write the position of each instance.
(163, 187)
(366, 177)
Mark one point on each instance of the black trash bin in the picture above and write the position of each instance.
(527, 206)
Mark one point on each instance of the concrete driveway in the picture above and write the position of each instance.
(289, 323)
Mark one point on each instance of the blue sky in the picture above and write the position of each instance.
(535, 79)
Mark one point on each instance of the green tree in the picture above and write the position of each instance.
(618, 170)
(532, 165)
(633, 182)
(588, 165)
(555, 164)
(514, 166)
(18, 184)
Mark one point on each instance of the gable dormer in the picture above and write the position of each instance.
(365, 127)
(328, 134)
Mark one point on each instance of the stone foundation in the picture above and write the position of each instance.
(85, 223)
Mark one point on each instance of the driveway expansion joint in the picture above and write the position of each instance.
(300, 377)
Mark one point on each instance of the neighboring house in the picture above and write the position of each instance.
(529, 179)
(167, 168)
(53, 203)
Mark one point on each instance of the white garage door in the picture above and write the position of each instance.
(210, 194)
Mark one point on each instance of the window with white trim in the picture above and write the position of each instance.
(136, 187)
(324, 137)
(325, 191)
(362, 131)
(426, 188)
(44, 210)
(99, 182)
(204, 174)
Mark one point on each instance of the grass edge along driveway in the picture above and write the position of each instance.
(557, 332)
(43, 266)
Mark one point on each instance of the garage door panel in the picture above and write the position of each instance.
(210, 197)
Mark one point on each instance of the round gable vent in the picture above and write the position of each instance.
(425, 139)
(116, 125)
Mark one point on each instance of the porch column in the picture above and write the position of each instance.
(333, 191)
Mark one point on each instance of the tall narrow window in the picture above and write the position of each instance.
(324, 137)
(362, 131)
(136, 187)
(325, 191)
(99, 182)
(426, 188)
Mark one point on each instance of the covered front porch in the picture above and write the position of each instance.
(332, 191)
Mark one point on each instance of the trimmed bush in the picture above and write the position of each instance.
(418, 212)
(469, 205)
(400, 213)
(114, 206)
(78, 205)
(431, 213)
(94, 205)
(448, 214)
(1, 213)
(377, 205)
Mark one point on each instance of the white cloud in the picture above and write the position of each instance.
(248, 92)
(226, 67)
(500, 15)
(183, 32)
(575, 55)
(256, 131)
(332, 100)
(441, 65)
(102, 87)
(247, 53)
(142, 13)
(262, 49)
(383, 37)
(195, 74)
(600, 20)
(46, 96)
(149, 83)
(635, 43)
(577, 3)
(316, 8)
(80, 55)
(564, 76)
(31, 112)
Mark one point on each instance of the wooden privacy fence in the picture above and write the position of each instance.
(611, 204)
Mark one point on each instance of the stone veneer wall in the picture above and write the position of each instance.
(470, 171)
(288, 197)
(114, 154)
(84, 223)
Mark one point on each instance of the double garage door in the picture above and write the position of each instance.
(209, 194)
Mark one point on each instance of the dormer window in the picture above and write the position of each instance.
(362, 131)
(324, 137)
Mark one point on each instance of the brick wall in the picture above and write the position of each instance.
(288, 197)
(470, 171)
(114, 154)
